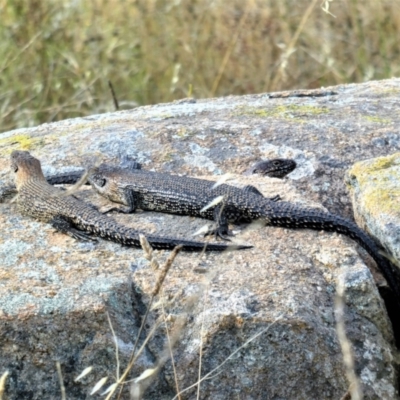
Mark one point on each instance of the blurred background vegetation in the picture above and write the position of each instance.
(57, 57)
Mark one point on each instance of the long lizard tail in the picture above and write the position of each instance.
(291, 216)
(108, 229)
(168, 243)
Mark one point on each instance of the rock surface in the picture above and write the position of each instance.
(55, 292)
(375, 191)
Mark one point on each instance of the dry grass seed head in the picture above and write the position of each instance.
(164, 270)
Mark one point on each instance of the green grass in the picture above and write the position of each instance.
(56, 57)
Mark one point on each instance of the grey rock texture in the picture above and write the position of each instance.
(55, 292)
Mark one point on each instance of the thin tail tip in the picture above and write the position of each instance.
(238, 246)
(244, 246)
(226, 247)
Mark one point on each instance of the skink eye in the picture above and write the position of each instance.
(99, 181)
(15, 168)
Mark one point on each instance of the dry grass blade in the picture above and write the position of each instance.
(201, 343)
(116, 344)
(171, 342)
(116, 105)
(202, 231)
(60, 378)
(230, 48)
(346, 396)
(160, 280)
(225, 178)
(21, 51)
(212, 203)
(148, 252)
(388, 256)
(223, 48)
(99, 385)
(134, 357)
(145, 374)
(14, 199)
(348, 358)
(8, 191)
(165, 269)
(325, 7)
(138, 388)
(111, 387)
(290, 48)
(73, 189)
(3, 380)
(86, 371)
(214, 372)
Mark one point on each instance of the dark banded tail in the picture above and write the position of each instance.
(287, 215)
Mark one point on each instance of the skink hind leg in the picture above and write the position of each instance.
(7, 191)
(222, 229)
(254, 190)
(62, 225)
(275, 198)
(130, 163)
(120, 209)
(219, 233)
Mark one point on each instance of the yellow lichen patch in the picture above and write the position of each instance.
(183, 132)
(20, 142)
(378, 183)
(378, 201)
(168, 156)
(302, 110)
(364, 169)
(291, 111)
(382, 91)
(377, 120)
(160, 116)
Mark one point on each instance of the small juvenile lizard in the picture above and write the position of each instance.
(38, 199)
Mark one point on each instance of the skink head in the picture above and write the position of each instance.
(25, 167)
(276, 168)
(103, 182)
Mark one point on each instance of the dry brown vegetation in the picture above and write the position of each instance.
(56, 57)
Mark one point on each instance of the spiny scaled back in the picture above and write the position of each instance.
(185, 195)
(38, 199)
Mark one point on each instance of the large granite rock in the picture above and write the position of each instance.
(55, 292)
(375, 192)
